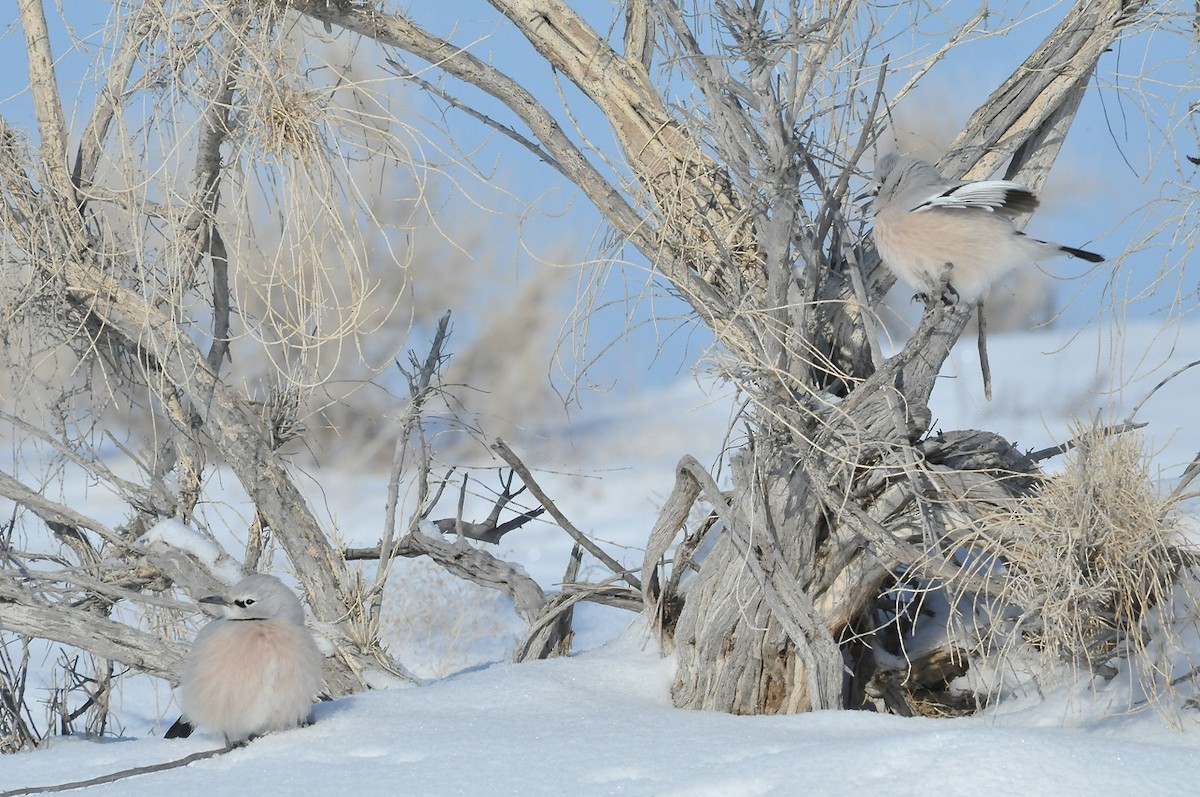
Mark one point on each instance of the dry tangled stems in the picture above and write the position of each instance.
(1092, 563)
(18, 726)
(78, 700)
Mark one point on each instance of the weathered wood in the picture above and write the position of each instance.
(478, 566)
(92, 632)
(866, 433)
(767, 528)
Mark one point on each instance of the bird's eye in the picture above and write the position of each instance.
(245, 602)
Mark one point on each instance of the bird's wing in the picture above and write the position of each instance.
(990, 195)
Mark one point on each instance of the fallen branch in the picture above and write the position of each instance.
(123, 774)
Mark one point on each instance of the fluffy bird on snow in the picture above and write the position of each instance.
(254, 669)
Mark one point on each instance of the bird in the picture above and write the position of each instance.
(926, 223)
(256, 668)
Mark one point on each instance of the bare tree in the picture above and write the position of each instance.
(740, 152)
(208, 273)
(740, 129)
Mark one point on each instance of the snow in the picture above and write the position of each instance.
(1045, 379)
(172, 533)
(601, 722)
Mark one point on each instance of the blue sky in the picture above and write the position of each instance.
(1107, 170)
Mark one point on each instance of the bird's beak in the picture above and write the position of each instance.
(215, 599)
(865, 198)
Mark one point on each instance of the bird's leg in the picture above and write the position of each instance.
(231, 745)
(942, 289)
(946, 291)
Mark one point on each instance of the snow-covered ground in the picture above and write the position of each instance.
(601, 722)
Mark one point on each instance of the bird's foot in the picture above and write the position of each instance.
(946, 291)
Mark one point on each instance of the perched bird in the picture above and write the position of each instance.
(925, 222)
(256, 668)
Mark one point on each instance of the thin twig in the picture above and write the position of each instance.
(514, 462)
(1137, 407)
(831, 210)
(218, 255)
(538, 151)
(421, 385)
(985, 365)
(459, 537)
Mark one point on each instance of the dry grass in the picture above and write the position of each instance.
(286, 120)
(1091, 564)
(1097, 554)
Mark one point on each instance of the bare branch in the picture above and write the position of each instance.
(110, 97)
(421, 386)
(52, 512)
(1062, 448)
(113, 777)
(514, 462)
(1031, 98)
(47, 103)
(480, 567)
(1141, 402)
(91, 632)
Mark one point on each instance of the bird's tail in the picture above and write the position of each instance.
(1090, 257)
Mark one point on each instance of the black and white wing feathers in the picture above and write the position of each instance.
(990, 195)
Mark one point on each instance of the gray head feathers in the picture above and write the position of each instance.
(259, 597)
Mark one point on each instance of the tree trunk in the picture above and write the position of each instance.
(748, 637)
